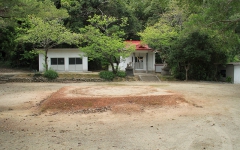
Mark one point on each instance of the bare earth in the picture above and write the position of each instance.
(138, 116)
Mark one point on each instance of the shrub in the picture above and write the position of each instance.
(107, 75)
(229, 79)
(121, 74)
(51, 74)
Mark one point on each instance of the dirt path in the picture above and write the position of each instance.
(210, 120)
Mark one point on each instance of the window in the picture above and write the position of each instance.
(53, 61)
(57, 61)
(138, 59)
(223, 73)
(75, 61)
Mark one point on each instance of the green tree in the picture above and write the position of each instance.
(103, 40)
(159, 37)
(47, 34)
(7, 42)
(80, 11)
(219, 18)
(12, 10)
(198, 55)
(162, 35)
(14, 15)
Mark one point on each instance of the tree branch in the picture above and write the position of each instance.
(225, 21)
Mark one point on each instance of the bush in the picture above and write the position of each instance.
(229, 79)
(51, 74)
(107, 75)
(121, 74)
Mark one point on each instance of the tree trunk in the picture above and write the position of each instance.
(216, 71)
(45, 59)
(113, 69)
(117, 62)
(186, 69)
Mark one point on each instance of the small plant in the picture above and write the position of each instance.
(229, 79)
(51, 74)
(121, 74)
(107, 75)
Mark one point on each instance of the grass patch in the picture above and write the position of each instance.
(166, 78)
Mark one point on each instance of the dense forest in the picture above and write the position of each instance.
(184, 33)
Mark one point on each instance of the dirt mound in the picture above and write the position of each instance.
(118, 99)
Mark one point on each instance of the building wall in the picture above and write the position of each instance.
(159, 67)
(236, 74)
(230, 71)
(66, 54)
(233, 71)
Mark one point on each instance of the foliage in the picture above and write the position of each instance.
(102, 40)
(196, 55)
(107, 75)
(29, 55)
(229, 79)
(121, 74)
(12, 10)
(162, 35)
(50, 74)
(79, 12)
(47, 34)
(219, 18)
(160, 38)
(7, 43)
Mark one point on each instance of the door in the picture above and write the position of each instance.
(139, 62)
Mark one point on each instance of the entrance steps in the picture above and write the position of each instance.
(149, 78)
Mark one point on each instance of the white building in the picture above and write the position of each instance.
(64, 59)
(231, 70)
(142, 60)
(70, 59)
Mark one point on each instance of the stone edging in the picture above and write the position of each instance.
(42, 79)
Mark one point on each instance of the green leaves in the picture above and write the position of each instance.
(103, 40)
(198, 51)
(47, 34)
(11, 10)
(161, 37)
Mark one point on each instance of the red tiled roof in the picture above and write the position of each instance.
(139, 46)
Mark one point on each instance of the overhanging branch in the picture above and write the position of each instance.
(225, 21)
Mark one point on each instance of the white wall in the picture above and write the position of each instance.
(63, 53)
(236, 74)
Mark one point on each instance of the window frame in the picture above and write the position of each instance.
(58, 61)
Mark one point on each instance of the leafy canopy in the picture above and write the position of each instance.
(11, 10)
(47, 34)
(103, 40)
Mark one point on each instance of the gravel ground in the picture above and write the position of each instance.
(210, 120)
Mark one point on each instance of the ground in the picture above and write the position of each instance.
(202, 115)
